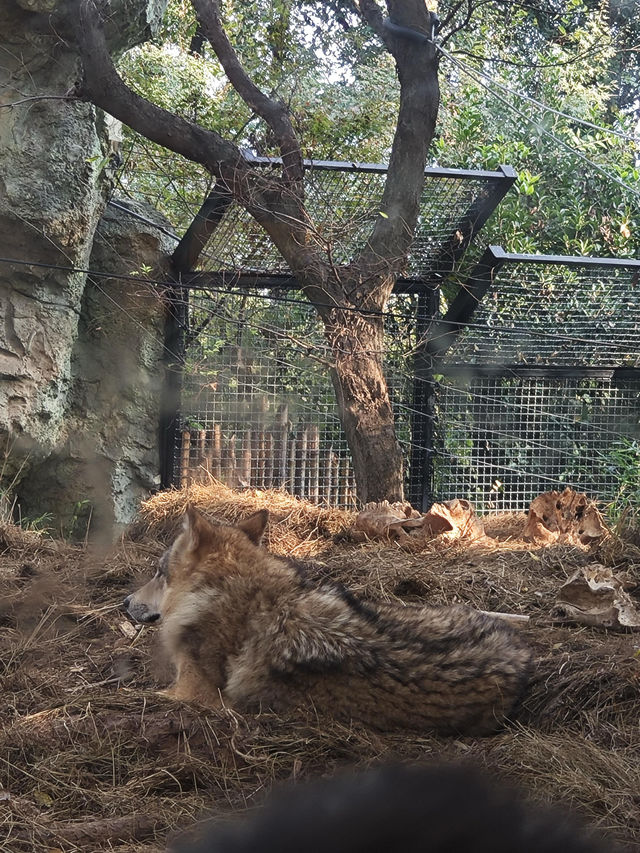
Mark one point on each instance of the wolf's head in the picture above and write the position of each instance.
(198, 541)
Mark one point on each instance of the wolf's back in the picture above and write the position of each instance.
(449, 669)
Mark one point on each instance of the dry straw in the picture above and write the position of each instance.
(93, 758)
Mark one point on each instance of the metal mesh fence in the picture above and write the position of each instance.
(258, 409)
(258, 406)
(502, 440)
(541, 390)
(556, 314)
(344, 204)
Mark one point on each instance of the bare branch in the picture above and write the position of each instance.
(274, 112)
(463, 23)
(371, 13)
(452, 13)
(68, 97)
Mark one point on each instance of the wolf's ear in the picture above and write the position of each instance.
(254, 526)
(196, 527)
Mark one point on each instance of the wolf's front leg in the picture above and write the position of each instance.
(184, 693)
(192, 684)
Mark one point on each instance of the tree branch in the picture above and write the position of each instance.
(276, 206)
(452, 13)
(417, 66)
(371, 13)
(102, 85)
(274, 112)
(463, 23)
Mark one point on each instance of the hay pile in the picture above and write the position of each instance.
(94, 759)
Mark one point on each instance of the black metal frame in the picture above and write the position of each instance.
(499, 255)
(619, 374)
(175, 350)
(462, 232)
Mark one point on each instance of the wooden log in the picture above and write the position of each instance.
(280, 454)
(290, 482)
(246, 458)
(255, 456)
(268, 460)
(185, 476)
(334, 480)
(313, 463)
(325, 475)
(343, 483)
(230, 469)
(204, 458)
(260, 477)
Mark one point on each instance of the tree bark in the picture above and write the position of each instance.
(357, 344)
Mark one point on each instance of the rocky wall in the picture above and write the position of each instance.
(53, 188)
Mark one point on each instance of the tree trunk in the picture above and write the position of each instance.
(364, 404)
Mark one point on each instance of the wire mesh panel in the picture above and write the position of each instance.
(505, 439)
(556, 313)
(344, 201)
(258, 406)
(541, 390)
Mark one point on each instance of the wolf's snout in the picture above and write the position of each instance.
(127, 601)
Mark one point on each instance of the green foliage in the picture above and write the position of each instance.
(340, 87)
(338, 84)
(561, 204)
(623, 461)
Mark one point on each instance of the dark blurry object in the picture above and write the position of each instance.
(400, 809)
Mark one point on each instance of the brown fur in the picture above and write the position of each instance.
(244, 628)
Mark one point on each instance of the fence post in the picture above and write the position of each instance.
(313, 447)
(300, 478)
(174, 358)
(423, 405)
(185, 453)
(280, 449)
(183, 259)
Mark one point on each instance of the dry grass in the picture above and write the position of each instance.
(297, 528)
(94, 759)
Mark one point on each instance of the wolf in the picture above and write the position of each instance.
(248, 630)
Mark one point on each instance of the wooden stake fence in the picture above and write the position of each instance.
(267, 459)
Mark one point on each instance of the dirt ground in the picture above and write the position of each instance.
(92, 758)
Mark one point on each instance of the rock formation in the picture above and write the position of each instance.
(80, 361)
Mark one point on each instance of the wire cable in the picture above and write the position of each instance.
(608, 130)
(475, 75)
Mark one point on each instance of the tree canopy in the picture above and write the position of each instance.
(340, 85)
